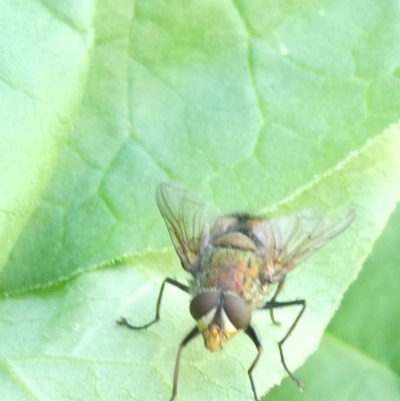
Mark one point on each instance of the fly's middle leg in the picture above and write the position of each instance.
(277, 291)
(124, 322)
(274, 305)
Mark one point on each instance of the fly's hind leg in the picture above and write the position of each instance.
(124, 322)
(274, 305)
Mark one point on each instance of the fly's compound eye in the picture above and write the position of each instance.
(237, 311)
(203, 304)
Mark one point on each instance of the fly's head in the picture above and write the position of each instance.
(219, 317)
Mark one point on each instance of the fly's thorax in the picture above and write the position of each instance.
(250, 231)
(219, 316)
(235, 240)
(230, 270)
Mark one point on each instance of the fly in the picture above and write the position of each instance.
(233, 261)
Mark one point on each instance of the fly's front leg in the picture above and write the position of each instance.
(190, 336)
(124, 322)
(274, 305)
(252, 334)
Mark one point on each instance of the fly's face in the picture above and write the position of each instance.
(219, 316)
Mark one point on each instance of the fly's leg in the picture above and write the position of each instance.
(194, 333)
(278, 290)
(185, 341)
(252, 334)
(124, 322)
(273, 305)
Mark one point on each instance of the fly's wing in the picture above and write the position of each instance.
(300, 235)
(186, 217)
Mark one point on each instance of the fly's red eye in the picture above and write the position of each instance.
(203, 303)
(237, 311)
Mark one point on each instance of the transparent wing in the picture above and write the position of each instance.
(185, 217)
(300, 235)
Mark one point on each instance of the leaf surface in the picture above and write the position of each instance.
(260, 107)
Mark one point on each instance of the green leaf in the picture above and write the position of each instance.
(258, 106)
(44, 59)
(208, 94)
